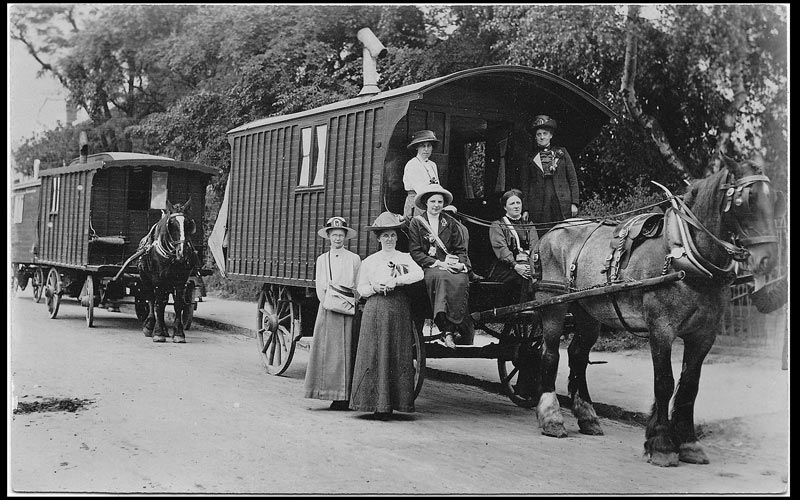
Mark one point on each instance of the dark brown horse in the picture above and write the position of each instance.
(729, 215)
(168, 260)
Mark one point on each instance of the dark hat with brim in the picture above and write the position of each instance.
(422, 136)
(386, 221)
(542, 121)
(422, 196)
(337, 223)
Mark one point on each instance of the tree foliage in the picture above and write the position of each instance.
(173, 79)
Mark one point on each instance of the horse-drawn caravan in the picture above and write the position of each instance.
(89, 220)
(24, 235)
(665, 274)
(290, 173)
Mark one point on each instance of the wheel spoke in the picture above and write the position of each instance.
(267, 343)
(283, 337)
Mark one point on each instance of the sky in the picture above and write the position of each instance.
(34, 104)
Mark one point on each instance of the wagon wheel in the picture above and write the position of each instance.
(188, 305)
(141, 307)
(87, 300)
(419, 360)
(37, 284)
(520, 375)
(278, 327)
(52, 292)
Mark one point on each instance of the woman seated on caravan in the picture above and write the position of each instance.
(437, 246)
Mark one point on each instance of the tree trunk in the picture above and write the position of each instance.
(649, 123)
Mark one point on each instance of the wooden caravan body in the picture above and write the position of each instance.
(93, 213)
(290, 173)
(23, 230)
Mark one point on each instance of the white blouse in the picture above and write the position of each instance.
(377, 268)
(418, 174)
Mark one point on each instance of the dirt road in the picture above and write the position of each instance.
(204, 417)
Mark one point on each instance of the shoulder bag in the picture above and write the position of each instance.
(338, 298)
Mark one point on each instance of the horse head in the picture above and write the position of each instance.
(174, 229)
(749, 209)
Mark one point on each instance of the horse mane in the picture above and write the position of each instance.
(704, 197)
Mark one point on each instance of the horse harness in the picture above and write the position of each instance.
(166, 249)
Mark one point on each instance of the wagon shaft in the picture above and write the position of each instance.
(572, 296)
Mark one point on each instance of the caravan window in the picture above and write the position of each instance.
(55, 194)
(312, 164)
(158, 190)
(18, 204)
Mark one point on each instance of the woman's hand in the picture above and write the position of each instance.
(523, 270)
(458, 267)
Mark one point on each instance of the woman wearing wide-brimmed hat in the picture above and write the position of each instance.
(436, 244)
(330, 364)
(419, 170)
(549, 182)
(383, 379)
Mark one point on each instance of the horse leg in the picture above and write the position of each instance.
(586, 333)
(160, 332)
(548, 411)
(694, 352)
(660, 441)
(150, 320)
(179, 337)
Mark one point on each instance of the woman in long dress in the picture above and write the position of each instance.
(436, 244)
(330, 364)
(383, 379)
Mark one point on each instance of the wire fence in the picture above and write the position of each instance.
(742, 324)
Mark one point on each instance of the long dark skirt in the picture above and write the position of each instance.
(449, 296)
(383, 377)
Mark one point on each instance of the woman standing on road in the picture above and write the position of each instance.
(383, 379)
(330, 365)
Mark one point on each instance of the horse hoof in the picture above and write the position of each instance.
(590, 428)
(692, 453)
(159, 338)
(179, 339)
(663, 459)
(554, 430)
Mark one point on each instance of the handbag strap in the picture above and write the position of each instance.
(435, 236)
(344, 290)
(513, 232)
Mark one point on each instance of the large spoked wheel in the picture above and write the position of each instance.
(188, 305)
(52, 292)
(278, 327)
(520, 375)
(419, 360)
(37, 284)
(87, 300)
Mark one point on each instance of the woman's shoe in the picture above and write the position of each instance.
(340, 405)
(449, 341)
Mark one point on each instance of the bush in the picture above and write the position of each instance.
(227, 288)
(641, 199)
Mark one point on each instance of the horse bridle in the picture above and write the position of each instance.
(169, 249)
(737, 202)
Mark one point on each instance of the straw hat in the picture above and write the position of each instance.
(386, 220)
(427, 191)
(422, 136)
(337, 223)
(542, 121)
